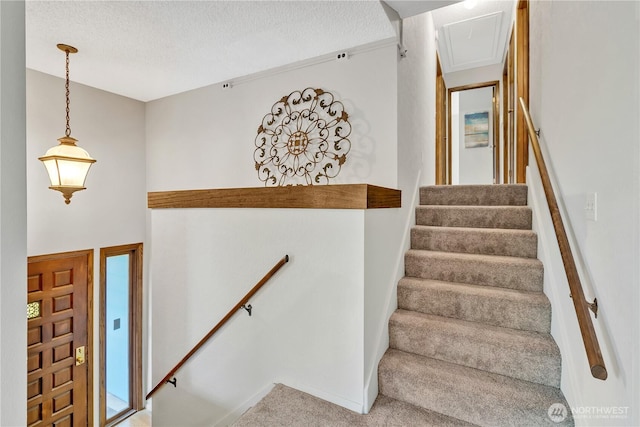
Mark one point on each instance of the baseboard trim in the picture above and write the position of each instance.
(321, 394)
(236, 413)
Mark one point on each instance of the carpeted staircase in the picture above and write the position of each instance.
(470, 342)
(470, 338)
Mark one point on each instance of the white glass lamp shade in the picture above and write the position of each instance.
(67, 166)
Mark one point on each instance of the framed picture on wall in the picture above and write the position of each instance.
(476, 129)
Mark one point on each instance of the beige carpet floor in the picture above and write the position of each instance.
(284, 406)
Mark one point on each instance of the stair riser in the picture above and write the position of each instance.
(478, 195)
(526, 312)
(468, 394)
(475, 241)
(516, 275)
(518, 218)
(523, 355)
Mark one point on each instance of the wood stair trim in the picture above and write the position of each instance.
(341, 196)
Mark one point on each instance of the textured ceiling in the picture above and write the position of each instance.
(151, 49)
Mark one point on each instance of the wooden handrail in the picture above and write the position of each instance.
(220, 324)
(594, 355)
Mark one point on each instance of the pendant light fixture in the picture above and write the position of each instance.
(66, 163)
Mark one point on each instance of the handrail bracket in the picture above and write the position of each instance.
(249, 308)
(593, 306)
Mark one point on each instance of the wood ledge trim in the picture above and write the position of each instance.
(342, 196)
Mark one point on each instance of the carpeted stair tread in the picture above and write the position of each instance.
(285, 406)
(392, 412)
(488, 270)
(487, 241)
(526, 355)
(486, 304)
(476, 195)
(510, 217)
(473, 395)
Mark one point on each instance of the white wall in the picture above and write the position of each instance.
(309, 326)
(205, 138)
(387, 231)
(455, 138)
(585, 97)
(475, 164)
(489, 73)
(416, 103)
(384, 245)
(416, 167)
(111, 211)
(13, 227)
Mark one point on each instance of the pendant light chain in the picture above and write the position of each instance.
(68, 130)
(67, 164)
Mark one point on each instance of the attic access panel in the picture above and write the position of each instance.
(472, 42)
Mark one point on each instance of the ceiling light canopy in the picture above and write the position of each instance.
(66, 163)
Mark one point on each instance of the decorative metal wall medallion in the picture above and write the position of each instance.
(304, 140)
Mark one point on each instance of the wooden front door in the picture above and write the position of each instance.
(57, 338)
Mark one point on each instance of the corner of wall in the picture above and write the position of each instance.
(13, 216)
(237, 412)
(406, 221)
(416, 148)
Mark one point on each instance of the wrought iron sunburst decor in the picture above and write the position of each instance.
(303, 140)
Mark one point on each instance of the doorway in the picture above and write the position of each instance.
(120, 332)
(59, 331)
(508, 108)
(473, 151)
(522, 83)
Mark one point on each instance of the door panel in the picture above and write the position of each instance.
(57, 384)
